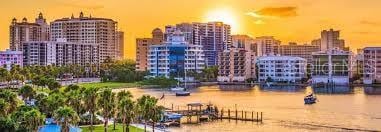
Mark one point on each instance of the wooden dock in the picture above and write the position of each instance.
(212, 113)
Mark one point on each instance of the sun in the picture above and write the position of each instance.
(224, 15)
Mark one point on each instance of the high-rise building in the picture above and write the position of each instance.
(9, 58)
(102, 32)
(214, 37)
(372, 65)
(330, 39)
(333, 66)
(43, 53)
(40, 53)
(265, 45)
(120, 45)
(185, 28)
(237, 64)
(281, 69)
(175, 58)
(142, 46)
(23, 31)
(292, 49)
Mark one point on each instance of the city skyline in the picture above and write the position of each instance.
(255, 18)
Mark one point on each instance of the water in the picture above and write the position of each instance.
(337, 109)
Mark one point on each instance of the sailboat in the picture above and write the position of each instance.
(184, 92)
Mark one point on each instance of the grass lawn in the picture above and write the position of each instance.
(118, 128)
(112, 85)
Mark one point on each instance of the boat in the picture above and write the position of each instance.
(178, 88)
(310, 99)
(183, 93)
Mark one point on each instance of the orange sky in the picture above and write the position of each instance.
(288, 20)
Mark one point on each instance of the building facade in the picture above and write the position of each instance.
(102, 32)
(142, 46)
(214, 37)
(120, 45)
(237, 64)
(333, 66)
(284, 69)
(372, 65)
(9, 58)
(175, 58)
(43, 53)
(185, 28)
(330, 39)
(292, 49)
(266, 45)
(23, 31)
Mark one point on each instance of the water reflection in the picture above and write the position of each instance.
(333, 90)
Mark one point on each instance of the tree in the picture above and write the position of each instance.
(27, 92)
(53, 84)
(147, 108)
(107, 103)
(90, 97)
(66, 116)
(54, 101)
(3, 108)
(10, 98)
(125, 108)
(7, 124)
(74, 99)
(33, 119)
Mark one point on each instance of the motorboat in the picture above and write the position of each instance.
(178, 88)
(310, 99)
(183, 93)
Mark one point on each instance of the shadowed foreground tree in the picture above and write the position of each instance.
(126, 108)
(66, 116)
(90, 96)
(107, 103)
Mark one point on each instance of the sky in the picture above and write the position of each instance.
(287, 20)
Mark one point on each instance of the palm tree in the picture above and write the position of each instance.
(3, 108)
(27, 92)
(90, 97)
(125, 108)
(53, 84)
(3, 74)
(66, 116)
(147, 108)
(74, 99)
(107, 101)
(11, 98)
(33, 119)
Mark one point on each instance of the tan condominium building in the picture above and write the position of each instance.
(265, 45)
(237, 64)
(23, 31)
(102, 32)
(292, 49)
(142, 47)
(372, 65)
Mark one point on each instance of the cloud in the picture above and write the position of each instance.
(80, 4)
(281, 12)
(370, 23)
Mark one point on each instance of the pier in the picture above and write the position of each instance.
(210, 112)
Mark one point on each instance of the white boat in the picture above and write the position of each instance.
(178, 88)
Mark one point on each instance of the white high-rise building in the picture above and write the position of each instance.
(281, 69)
(176, 57)
(102, 32)
(9, 58)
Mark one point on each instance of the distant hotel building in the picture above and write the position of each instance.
(266, 45)
(237, 64)
(120, 45)
(330, 39)
(285, 69)
(23, 31)
(372, 65)
(175, 57)
(333, 66)
(9, 58)
(102, 32)
(292, 49)
(186, 28)
(142, 47)
(45, 53)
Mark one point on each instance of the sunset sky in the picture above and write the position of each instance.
(288, 20)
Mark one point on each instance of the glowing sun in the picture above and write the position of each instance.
(224, 15)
